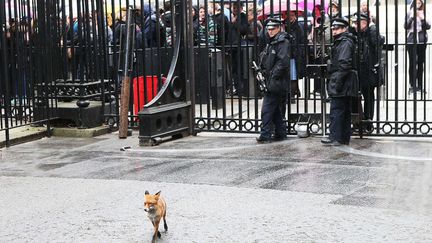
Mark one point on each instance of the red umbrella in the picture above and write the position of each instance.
(281, 7)
(311, 4)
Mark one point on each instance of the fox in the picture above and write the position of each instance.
(155, 206)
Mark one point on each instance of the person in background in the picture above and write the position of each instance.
(239, 23)
(206, 28)
(255, 27)
(369, 49)
(119, 26)
(196, 23)
(298, 57)
(334, 11)
(416, 25)
(221, 23)
(195, 18)
(237, 33)
(318, 38)
(342, 85)
(12, 35)
(259, 10)
(166, 23)
(365, 10)
(147, 36)
(227, 10)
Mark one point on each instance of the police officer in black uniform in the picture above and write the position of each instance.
(275, 62)
(342, 84)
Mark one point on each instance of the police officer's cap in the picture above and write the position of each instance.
(272, 23)
(339, 22)
(335, 3)
(362, 17)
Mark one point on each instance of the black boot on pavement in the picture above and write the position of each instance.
(262, 139)
(330, 142)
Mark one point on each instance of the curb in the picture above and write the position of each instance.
(23, 134)
(80, 133)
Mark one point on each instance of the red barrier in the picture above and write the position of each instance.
(151, 88)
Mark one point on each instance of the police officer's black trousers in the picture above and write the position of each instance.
(340, 119)
(272, 112)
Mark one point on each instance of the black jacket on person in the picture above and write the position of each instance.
(238, 30)
(343, 79)
(298, 46)
(370, 45)
(254, 32)
(275, 63)
(422, 36)
(222, 28)
(196, 25)
(375, 42)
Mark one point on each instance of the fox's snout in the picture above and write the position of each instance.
(149, 209)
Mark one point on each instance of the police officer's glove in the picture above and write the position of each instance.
(260, 77)
(375, 68)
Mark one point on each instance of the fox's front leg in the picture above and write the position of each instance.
(156, 233)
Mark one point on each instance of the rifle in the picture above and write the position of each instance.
(260, 77)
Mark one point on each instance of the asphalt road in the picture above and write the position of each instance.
(219, 188)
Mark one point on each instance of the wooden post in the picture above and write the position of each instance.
(125, 91)
(124, 107)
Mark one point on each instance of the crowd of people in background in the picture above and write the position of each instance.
(234, 26)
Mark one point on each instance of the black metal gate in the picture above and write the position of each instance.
(63, 60)
(28, 54)
(227, 97)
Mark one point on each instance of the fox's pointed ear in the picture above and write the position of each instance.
(156, 196)
(146, 192)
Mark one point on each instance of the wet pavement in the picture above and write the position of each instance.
(219, 188)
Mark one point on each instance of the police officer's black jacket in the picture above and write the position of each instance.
(275, 63)
(343, 79)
